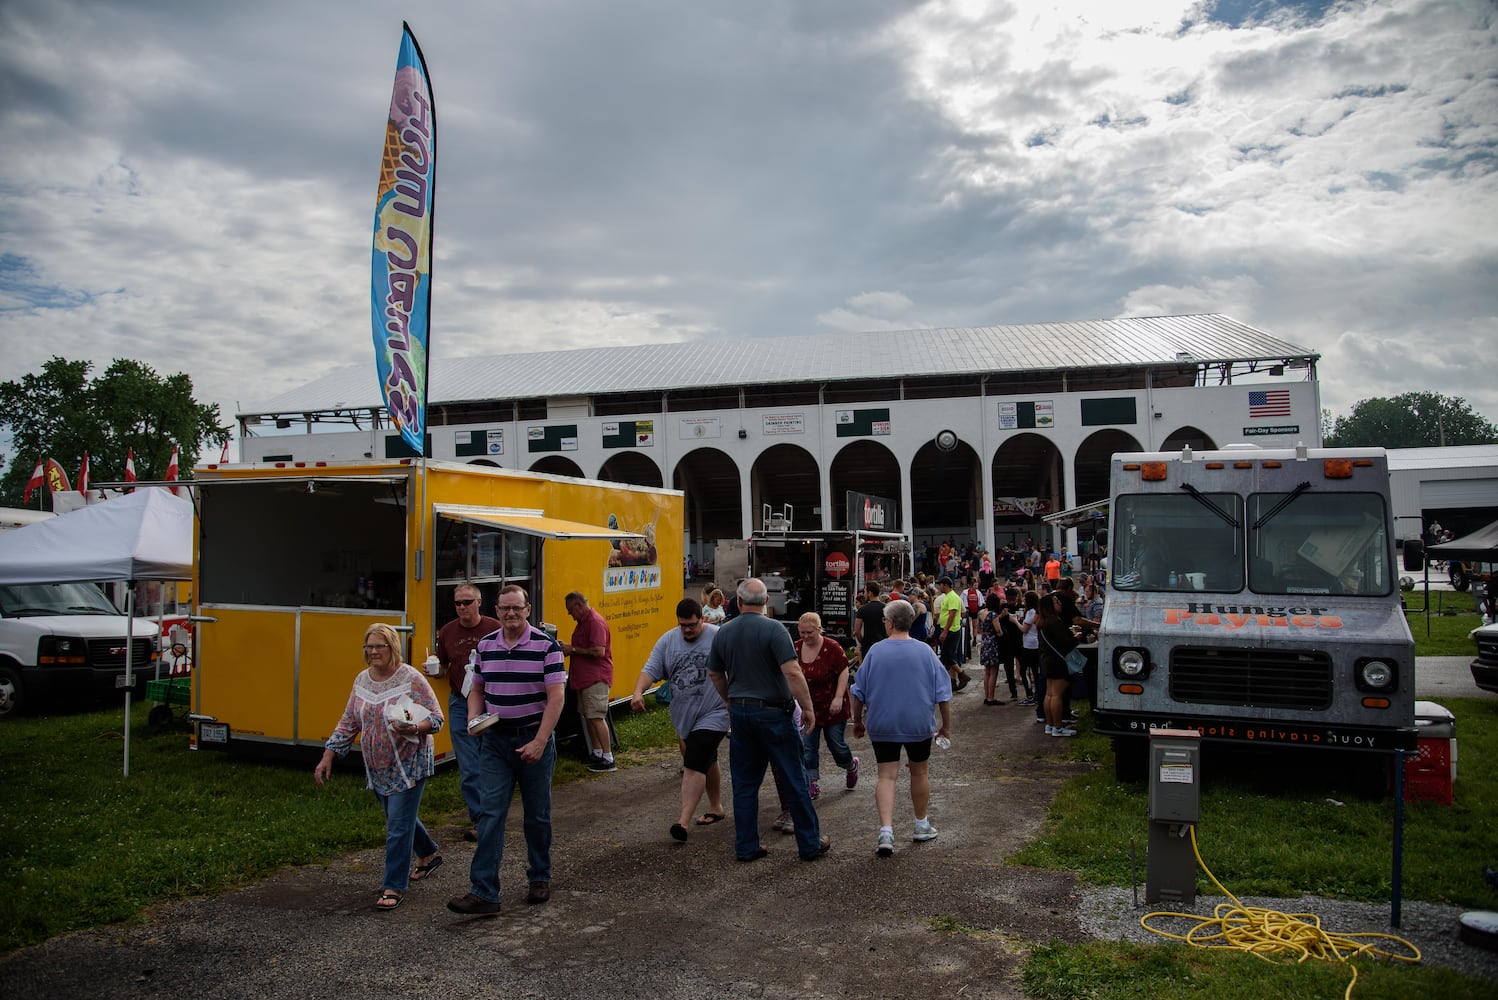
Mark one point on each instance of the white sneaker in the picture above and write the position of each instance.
(1050, 730)
(1063, 732)
(924, 831)
(886, 845)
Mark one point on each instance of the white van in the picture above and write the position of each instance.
(66, 641)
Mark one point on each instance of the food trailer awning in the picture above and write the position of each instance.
(531, 522)
(1095, 511)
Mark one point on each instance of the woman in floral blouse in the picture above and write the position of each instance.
(394, 712)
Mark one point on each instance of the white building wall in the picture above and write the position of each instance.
(1221, 412)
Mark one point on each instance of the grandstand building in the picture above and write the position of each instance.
(973, 433)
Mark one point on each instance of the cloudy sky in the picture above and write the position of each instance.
(191, 184)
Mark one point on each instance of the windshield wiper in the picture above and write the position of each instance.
(1201, 498)
(1284, 502)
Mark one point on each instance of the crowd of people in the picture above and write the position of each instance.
(727, 670)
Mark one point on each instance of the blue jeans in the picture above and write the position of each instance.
(466, 749)
(761, 735)
(500, 770)
(403, 835)
(837, 745)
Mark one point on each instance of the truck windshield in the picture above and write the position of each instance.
(1323, 543)
(1178, 542)
(32, 599)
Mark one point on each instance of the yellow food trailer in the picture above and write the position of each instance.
(294, 560)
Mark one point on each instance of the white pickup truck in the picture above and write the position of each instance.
(66, 642)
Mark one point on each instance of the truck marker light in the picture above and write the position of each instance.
(1243, 465)
(1131, 689)
(1362, 463)
(1131, 466)
(1375, 703)
(1337, 468)
(1272, 464)
(1153, 472)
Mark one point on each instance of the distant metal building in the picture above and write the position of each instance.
(974, 433)
(1457, 486)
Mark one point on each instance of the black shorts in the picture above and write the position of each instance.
(889, 753)
(951, 649)
(700, 749)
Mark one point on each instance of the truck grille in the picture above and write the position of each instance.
(1252, 678)
(104, 654)
(1487, 647)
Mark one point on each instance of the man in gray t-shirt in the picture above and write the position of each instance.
(754, 667)
(697, 711)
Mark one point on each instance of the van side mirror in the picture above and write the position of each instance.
(1414, 555)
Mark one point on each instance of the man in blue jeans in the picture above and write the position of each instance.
(753, 665)
(455, 642)
(519, 678)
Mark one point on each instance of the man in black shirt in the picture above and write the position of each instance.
(868, 624)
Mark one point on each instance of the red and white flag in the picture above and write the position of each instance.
(83, 475)
(130, 467)
(171, 471)
(36, 482)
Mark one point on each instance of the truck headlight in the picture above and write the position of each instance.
(1130, 663)
(55, 649)
(1376, 675)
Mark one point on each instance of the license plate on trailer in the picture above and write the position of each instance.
(214, 734)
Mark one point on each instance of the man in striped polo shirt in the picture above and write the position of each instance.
(518, 677)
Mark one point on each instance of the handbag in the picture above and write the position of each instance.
(1076, 660)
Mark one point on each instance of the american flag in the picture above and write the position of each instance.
(1269, 403)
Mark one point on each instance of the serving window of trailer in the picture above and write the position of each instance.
(1185, 541)
(333, 542)
(487, 556)
(1305, 542)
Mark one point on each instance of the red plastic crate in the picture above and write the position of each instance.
(1429, 774)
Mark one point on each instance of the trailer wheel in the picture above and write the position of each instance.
(10, 692)
(1130, 759)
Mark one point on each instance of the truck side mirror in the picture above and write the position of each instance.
(1414, 555)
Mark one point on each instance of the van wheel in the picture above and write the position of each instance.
(10, 692)
(1460, 581)
(1130, 759)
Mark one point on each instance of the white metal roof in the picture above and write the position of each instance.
(823, 357)
(1463, 456)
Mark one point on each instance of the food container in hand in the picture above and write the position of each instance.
(432, 666)
(479, 723)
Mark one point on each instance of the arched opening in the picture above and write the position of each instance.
(787, 474)
(714, 510)
(1094, 462)
(631, 467)
(556, 465)
(1193, 437)
(1029, 481)
(864, 467)
(944, 492)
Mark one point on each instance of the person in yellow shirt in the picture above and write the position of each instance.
(949, 629)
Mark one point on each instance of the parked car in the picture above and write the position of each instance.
(66, 640)
(1485, 666)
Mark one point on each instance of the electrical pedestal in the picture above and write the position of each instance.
(1174, 807)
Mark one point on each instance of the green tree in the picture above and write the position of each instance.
(60, 413)
(1412, 420)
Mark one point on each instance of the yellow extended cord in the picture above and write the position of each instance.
(1264, 933)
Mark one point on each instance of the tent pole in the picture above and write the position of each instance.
(129, 677)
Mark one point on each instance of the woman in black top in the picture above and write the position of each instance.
(1056, 641)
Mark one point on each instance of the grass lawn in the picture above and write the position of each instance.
(1441, 633)
(85, 846)
(1273, 832)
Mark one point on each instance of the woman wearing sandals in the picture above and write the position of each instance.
(394, 711)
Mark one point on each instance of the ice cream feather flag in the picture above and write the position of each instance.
(130, 467)
(171, 470)
(57, 480)
(401, 258)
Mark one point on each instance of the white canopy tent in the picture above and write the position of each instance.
(145, 535)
